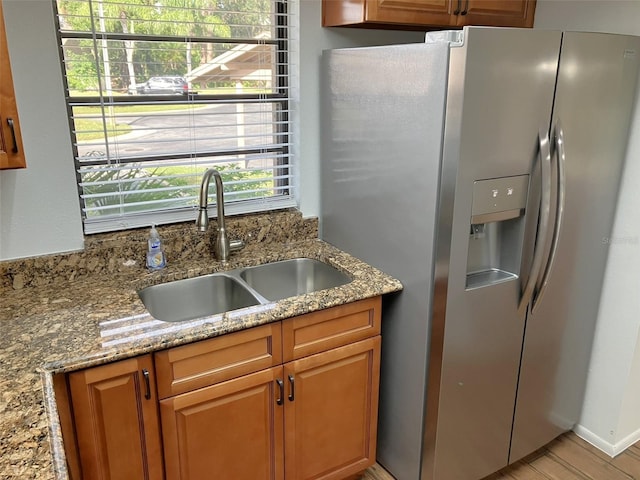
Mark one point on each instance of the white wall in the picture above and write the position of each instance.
(39, 209)
(611, 417)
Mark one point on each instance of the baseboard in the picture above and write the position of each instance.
(611, 449)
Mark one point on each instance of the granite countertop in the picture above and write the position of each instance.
(99, 318)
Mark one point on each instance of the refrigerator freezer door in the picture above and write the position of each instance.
(500, 94)
(595, 94)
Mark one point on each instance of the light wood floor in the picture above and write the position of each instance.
(566, 458)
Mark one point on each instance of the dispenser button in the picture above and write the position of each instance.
(498, 195)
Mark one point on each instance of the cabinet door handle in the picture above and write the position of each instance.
(292, 389)
(465, 10)
(147, 384)
(13, 135)
(457, 10)
(280, 391)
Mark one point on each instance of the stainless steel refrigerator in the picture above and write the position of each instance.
(480, 168)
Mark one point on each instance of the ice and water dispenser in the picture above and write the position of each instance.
(496, 230)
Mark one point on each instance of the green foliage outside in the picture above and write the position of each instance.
(140, 185)
(85, 64)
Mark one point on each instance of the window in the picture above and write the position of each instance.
(159, 91)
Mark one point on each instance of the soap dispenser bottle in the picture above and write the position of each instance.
(156, 259)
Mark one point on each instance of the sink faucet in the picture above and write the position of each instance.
(222, 247)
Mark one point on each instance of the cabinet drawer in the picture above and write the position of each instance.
(197, 365)
(331, 328)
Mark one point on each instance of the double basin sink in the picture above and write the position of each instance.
(216, 293)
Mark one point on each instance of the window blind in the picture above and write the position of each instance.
(159, 91)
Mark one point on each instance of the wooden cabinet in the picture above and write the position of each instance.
(326, 329)
(313, 417)
(221, 417)
(331, 412)
(423, 14)
(11, 151)
(498, 13)
(115, 412)
(290, 400)
(186, 368)
(332, 376)
(232, 429)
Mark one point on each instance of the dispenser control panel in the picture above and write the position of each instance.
(499, 198)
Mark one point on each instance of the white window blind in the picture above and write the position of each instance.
(159, 91)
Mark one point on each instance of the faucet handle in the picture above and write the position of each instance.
(235, 245)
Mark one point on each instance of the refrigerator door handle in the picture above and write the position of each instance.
(560, 164)
(544, 155)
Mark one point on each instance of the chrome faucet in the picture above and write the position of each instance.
(222, 247)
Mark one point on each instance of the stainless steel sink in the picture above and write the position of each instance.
(289, 278)
(196, 297)
(223, 292)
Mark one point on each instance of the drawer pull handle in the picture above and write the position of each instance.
(292, 389)
(147, 384)
(13, 135)
(280, 391)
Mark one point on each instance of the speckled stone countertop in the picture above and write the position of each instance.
(97, 317)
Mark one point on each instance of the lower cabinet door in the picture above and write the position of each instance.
(231, 430)
(115, 411)
(331, 412)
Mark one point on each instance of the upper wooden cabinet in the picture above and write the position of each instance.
(498, 13)
(11, 151)
(424, 14)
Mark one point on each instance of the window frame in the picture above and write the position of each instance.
(281, 97)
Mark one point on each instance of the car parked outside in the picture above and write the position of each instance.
(169, 85)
